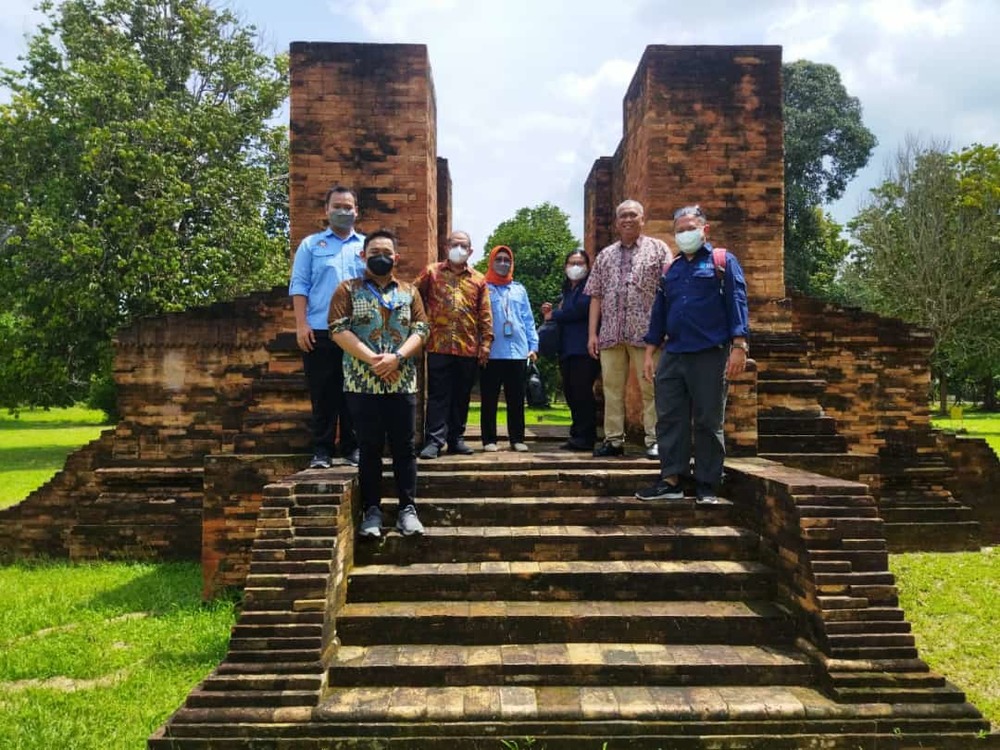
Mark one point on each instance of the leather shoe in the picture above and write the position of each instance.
(430, 451)
(461, 448)
(607, 450)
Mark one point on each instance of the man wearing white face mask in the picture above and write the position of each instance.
(322, 261)
(701, 320)
(461, 320)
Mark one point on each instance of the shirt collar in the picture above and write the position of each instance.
(352, 236)
(392, 280)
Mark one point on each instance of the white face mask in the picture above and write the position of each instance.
(690, 241)
(575, 273)
(458, 254)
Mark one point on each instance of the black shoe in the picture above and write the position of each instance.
(354, 457)
(430, 451)
(662, 490)
(572, 445)
(606, 450)
(461, 448)
(320, 460)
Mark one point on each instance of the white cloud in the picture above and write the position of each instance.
(616, 73)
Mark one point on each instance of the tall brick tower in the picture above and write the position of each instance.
(704, 125)
(364, 115)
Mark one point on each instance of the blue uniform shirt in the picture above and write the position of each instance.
(514, 333)
(322, 261)
(696, 310)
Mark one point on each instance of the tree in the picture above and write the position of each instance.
(540, 239)
(826, 143)
(139, 173)
(929, 253)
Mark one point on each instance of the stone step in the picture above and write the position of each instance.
(801, 444)
(896, 514)
(557, 543)
(868, 626)
(796, 426)
(270, 699)
(289, 567)
(585, 510)
(779, 410)
(833, 511)
(933, 537)
(280, 617)
(275, 644)
(624, 580)
(887, 679)
(475, 623)
(262, 681)
(276, 630)
(921, 694)
(521, 481)
(236, 668)
(126, 478)
(568, 664)
(273, 656)
(793, 386)
(874, 652)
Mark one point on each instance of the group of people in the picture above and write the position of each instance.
(680, 324)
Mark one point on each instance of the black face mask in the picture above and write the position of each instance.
(380, 265)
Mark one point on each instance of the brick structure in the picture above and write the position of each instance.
(364, 115)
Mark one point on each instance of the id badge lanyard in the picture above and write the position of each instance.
(508, 327)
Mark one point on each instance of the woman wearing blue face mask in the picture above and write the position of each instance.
(578, 369)
(515, 341)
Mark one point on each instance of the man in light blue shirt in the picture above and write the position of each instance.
(322, 261)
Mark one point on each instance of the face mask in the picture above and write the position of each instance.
(688, 242)
(380, 265)
(458, 254)
(575, 273)
(341, 218)
(502, 267)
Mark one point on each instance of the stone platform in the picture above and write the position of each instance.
(545, 601)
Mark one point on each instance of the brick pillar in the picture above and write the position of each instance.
(443, 205)
(598, 206)
(364, 115)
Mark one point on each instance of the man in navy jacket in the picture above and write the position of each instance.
(701, 320)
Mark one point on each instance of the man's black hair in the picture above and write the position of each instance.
(387, 233)
(340, 189)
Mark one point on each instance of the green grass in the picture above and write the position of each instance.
(953, 603)
(34, 446)
(116, 647)
(557, 414)
(980, 424)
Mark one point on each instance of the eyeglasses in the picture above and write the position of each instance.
(689, 211)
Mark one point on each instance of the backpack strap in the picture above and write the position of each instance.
(718, 260)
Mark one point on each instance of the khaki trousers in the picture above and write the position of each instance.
(615, 362)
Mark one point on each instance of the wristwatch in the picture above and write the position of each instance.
(741, 345)
(400, 359)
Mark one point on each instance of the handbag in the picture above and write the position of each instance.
(534, 387)
(548, 339)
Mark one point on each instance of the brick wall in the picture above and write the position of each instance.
(976, 480)
(364, 115)
(877, 372)
(598, 209)
(443, 206)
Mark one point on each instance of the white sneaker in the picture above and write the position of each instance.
(520, 447)
(490, 447)
(407, 522)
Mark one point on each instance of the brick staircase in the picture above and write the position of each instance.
(546, 602)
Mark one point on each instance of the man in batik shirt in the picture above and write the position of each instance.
(461, 321)
(380, 324)
(622, 286)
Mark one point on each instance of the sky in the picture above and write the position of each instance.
(529, 92)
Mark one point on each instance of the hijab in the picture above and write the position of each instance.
(492, 276)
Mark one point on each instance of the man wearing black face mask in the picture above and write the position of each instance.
(322, 261)
(381, 325)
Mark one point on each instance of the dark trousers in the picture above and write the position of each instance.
(508, 373)
(449, 388)
(392, 416)
(691, 389)
(324, 367)
(578, 375)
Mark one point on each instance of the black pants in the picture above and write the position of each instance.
(691, 389)
(378, 417)
(324, 367)
(449, 388)
(578, 375)
(508, 373)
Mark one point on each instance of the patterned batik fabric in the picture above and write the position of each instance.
(458, 310)
(382, 319)
(626, 280)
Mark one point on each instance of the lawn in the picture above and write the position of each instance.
(104, 662)
(984, 425)
(34, 446)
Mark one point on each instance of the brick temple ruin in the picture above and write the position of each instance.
(544, 601)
